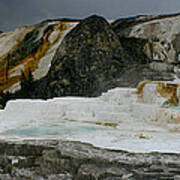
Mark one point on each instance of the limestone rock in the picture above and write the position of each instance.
(126, 114)
(161, 93)
(86, 63)
(171, 116)
(151, 39)
(159, 33)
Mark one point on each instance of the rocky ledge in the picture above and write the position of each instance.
(62, 160)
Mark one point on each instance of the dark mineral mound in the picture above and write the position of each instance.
(88, 62)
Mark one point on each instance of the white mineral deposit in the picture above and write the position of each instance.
(117, 120)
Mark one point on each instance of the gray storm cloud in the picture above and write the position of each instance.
(15, 13)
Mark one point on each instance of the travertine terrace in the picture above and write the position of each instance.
(123, 118)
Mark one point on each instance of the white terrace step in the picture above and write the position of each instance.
(96, 107)
(35, 105)
(121, 90)
(144, 112)
(43, 107)
(25, 108)
(85, 111)
(120, 96)
(33, 109)
(109, 117)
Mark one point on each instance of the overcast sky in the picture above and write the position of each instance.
(15, 13)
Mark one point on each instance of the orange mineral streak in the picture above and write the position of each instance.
(164, 89)
(30, 63)
(107, 124)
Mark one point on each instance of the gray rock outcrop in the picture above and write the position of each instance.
(160, 35)
(62, 160)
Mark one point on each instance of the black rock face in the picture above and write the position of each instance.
(87, 61)
(134, 47)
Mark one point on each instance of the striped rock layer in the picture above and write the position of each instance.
(29, 49)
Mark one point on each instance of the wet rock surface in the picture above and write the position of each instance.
(63, 160)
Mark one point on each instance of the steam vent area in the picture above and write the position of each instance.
(145, 119)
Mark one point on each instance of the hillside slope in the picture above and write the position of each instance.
(87, 57)
(29, 49)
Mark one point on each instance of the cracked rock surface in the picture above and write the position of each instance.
(65, 160)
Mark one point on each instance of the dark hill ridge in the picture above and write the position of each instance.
(89, 58)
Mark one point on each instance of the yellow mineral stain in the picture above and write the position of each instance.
(107, 124)
(164, 89)
(142, 136)
(30, 62)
